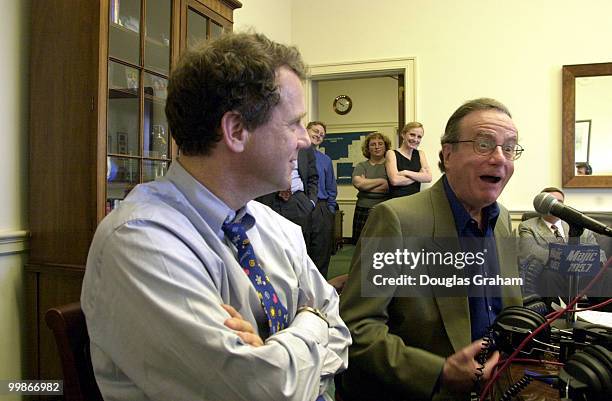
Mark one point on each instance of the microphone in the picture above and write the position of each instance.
(544, 203)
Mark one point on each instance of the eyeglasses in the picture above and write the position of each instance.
(484, 146)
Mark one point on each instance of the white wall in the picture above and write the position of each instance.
(13, 181)
(512, 51)
(13, 114)
(270, 17)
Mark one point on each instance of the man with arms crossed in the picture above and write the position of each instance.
(417, 348)
(194, 292)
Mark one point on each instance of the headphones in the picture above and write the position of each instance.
(593, 334)
(514, 324)
(588, 374)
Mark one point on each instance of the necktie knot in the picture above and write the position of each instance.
(236, 233)
(557, 232)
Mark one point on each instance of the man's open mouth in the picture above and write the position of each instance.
(493, 179)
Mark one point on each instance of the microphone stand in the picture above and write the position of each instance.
(575, 231)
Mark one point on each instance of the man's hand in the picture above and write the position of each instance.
(338, 282)
(459, 371)
(243, 328)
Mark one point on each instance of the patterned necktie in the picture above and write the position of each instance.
(272, 305)
(557, 233)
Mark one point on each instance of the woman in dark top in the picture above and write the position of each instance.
(370, 178)
(407, 166)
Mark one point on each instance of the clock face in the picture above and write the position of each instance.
(342, 104)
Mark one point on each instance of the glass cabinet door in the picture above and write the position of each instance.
(138, 145)
(140, 51)
(157, 36)
(197, 27)
(202, 24)
(124, 30)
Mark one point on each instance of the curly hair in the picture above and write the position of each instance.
(365, 146)
(235, 72)
(451, 132)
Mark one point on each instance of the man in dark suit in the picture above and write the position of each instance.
(324, 212)
(424, 347)
(298, 202)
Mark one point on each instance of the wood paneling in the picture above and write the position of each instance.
(47, 286)
(224, 8)
(63, 130)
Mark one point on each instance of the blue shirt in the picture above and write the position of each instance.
(327, 180)
(158, 270)
(485, 304)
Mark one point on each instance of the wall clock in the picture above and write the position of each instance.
(342, 104)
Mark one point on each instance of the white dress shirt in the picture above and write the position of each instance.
(157, 272)
(296, 180)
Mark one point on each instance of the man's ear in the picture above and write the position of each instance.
(234, 133)
(447, 150)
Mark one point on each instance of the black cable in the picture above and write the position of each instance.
(516, 388)
(481, 358)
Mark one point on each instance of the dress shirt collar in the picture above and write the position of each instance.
(556, 224)
(212, 209)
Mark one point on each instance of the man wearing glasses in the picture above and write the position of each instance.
(424, 347)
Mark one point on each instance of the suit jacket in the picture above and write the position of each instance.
(535, 236)
(400, 343)
(307, 169)
(534, 239)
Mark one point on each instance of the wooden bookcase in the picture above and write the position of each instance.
(98, 76)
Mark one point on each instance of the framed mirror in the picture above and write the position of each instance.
(587, 125)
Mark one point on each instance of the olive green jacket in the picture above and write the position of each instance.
(400, 343)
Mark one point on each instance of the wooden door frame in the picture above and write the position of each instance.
(368, 68)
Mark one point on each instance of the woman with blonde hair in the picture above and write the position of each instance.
(407, 166)
(370, 178)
